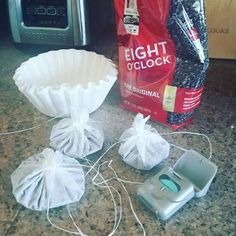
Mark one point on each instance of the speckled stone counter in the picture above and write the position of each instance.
(214, 214)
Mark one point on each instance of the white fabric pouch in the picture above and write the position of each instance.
(48, 180)
(77, 136)
(143, 146)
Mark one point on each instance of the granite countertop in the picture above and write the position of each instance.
(213, 214)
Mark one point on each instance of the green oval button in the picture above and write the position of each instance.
(169, 183)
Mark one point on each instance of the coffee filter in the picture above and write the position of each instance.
(57, 80)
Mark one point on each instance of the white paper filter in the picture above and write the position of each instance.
(57, 80)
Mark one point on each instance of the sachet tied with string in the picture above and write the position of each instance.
(41, 181)
(77, 136)
(143, 147)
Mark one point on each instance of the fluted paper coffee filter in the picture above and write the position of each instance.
(57, 80)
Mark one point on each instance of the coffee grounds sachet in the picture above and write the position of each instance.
(163, 57)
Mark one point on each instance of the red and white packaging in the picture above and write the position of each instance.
(162, 58)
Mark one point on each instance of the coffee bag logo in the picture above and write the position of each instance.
(148, 56)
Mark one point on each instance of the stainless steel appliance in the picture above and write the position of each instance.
(57, 22)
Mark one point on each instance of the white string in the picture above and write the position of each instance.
(60, 228)
(193, 133)
(105, 181)
(183, 149)
(120, 181)
(31, 128)
(103, 156)
(130, 202)
(71, 217)
(125, 181)
(34, 127)
(113, 178)
(117, 222)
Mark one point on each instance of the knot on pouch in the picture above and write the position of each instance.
(51, 158)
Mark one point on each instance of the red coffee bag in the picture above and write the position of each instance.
(163, 57)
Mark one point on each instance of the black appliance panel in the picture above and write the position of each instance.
(45, 13)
